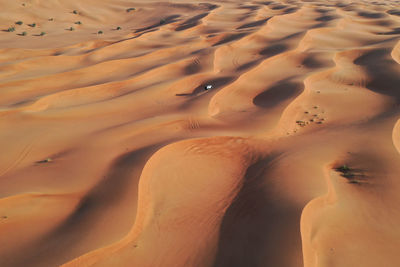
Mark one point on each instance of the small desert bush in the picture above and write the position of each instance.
(42, 33)
(130, 9)
(100, 32)
(11, 29)
(47, 160)
(343, 169)
(19, 22)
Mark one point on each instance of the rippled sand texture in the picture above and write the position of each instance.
(113, 154)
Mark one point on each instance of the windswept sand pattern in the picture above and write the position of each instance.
(114, 154)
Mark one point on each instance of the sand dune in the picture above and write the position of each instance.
(114, 154)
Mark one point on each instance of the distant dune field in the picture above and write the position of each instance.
(199, 133)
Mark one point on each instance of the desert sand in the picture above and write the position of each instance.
(114, 154)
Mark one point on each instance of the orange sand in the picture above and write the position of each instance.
(113, 154)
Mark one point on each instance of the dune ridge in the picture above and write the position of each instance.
(114, 154)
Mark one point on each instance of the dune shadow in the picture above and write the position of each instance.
(370, 15)
(230, 38)
(395, 12)
(190, 23)
(311, 63)
(253, 24)
(249, 7)
(257, 227)
(216, 83)
(164, 21)
(291, 10)
(326, 18)
(92, 208)
(209, 6)
(274, 95)
(322, 10)
(273, 50)
(377, 3)
(265, 3)
(248, 65)
(392, 32)
(279, 7)
(383, 72)
(192, 68)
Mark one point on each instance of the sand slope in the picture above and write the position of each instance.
(113, 154)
